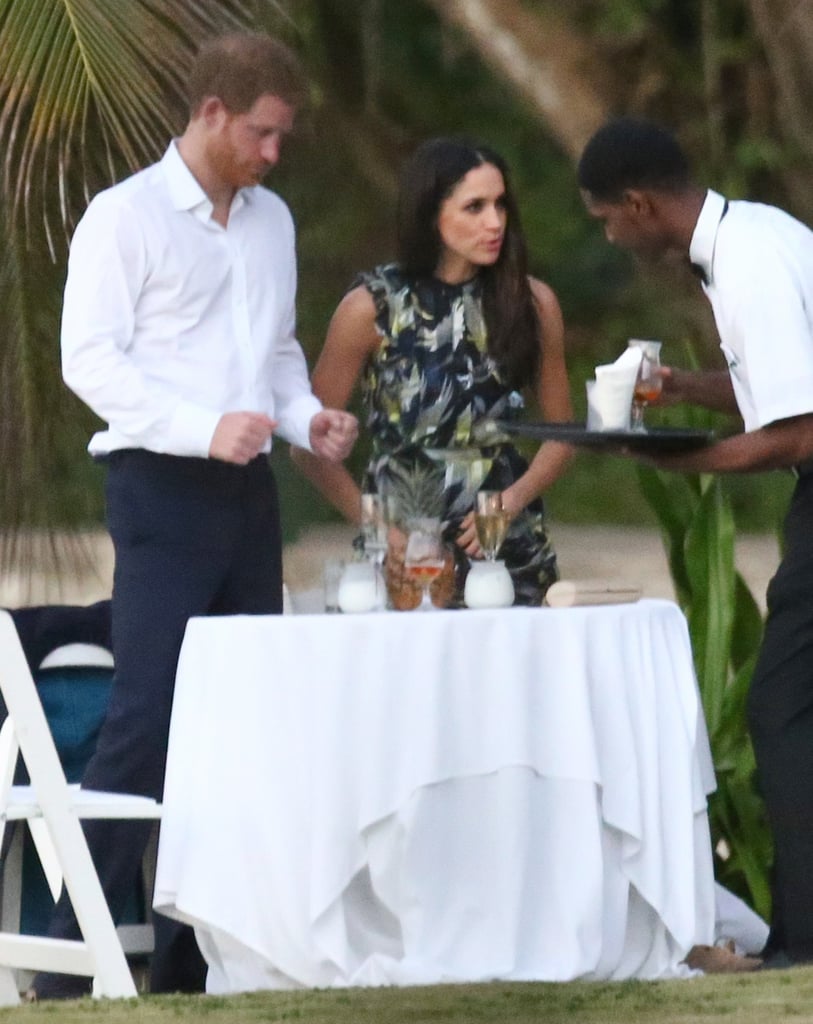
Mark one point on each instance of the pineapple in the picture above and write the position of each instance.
(413, 493)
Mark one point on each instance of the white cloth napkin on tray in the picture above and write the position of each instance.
(609, 397)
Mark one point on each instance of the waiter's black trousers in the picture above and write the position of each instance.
(191, 537)
(780, 715)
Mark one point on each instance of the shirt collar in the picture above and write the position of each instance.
(185, 190)
(704, 239)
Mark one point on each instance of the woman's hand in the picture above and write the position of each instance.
(467, 537)
(467, 534)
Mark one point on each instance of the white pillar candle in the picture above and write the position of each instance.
(488, 585)
(359, 588)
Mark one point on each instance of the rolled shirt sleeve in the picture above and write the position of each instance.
(761, 292)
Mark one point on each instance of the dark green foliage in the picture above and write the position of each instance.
(725, 626)
(386, 75)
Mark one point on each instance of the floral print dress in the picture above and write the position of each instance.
(429, 391)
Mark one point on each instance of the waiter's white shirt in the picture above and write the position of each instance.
(758, 262)
(170, 320)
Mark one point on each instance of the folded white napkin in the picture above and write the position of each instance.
(627, 363)
(567, 593)
(609, 397)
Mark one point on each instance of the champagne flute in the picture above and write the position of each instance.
(374, 528)
(424, 558)
(648, 383)
(490, 521)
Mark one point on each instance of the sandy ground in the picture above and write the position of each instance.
(628, 556)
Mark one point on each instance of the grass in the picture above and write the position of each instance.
(780, 997)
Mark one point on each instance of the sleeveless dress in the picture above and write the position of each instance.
(430, 391)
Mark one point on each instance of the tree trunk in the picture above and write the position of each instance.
(785, 29)
(547, 62)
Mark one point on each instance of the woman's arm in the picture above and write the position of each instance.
(553, 393)
(351, 339)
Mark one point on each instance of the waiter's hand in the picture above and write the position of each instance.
(240, 436)
(332, 434)
(672, 386)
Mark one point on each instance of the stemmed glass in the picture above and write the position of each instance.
(490, 521)
(648, 383)
(374, 528)
(424, 557)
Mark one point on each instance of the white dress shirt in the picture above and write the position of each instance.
(758, 262)
(170, 320)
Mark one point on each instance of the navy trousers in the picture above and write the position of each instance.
(780, 717)
(191, 537)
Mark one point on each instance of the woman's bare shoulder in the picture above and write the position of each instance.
(358, 303)
(544, 295)
(352, 327)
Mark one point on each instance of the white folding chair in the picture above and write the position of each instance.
(136, 939)
(55, 810)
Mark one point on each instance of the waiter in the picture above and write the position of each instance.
(755, 265)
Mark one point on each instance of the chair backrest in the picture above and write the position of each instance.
(26, 722)
(75, 655)
(99, 954)
(74, 683)
(44, 628)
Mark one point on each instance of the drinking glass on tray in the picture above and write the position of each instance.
(648, 382)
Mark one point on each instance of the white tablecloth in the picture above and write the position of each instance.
(401, 798)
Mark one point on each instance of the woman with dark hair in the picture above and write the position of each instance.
(444, 342)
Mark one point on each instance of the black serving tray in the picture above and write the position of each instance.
(657, 440)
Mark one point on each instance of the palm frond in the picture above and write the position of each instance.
(91, 89)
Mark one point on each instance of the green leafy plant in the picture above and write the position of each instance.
(725, 626)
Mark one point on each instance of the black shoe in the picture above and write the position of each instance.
(177, 964)
(58, 986)
(778, 961)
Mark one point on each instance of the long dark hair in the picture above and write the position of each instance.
(428, 178)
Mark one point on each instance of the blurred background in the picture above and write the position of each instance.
(91, 91)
